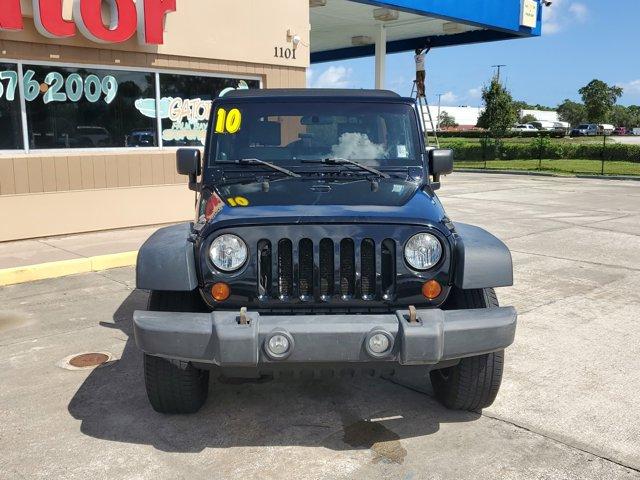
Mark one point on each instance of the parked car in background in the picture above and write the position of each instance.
(544, 125)
(142, 138)
(524, 127)
(620, 131)
(605, 129)
(635, 131)
(585, 130)
(92, 136)
(562, 128)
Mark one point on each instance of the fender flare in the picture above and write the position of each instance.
(166, 261)
(481, 259)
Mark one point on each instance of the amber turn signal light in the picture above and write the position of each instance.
(220, 291)
(431, 289)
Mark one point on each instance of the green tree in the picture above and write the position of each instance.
(634, 116)
(520, 105)
(528, 118)
(499, 113)
(447, 121)
(599, 99)
(621, 116)
(572, 112)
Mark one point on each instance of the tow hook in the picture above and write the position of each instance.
(243, 319)
(413, 314)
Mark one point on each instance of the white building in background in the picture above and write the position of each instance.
(541, 115)
(467, 117)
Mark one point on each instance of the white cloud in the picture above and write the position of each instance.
(579, 10)
(449, 98)
(474, 93)
(332, 77)
(562, 14)
(550, 17)
(631, 88)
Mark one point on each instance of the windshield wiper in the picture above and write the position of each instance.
(344, 161)
(255, 161)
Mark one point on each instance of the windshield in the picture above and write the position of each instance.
(583, 127)
(287, 134)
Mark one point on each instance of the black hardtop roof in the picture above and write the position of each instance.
(340, 94)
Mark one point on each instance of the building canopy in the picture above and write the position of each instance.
(342, 29)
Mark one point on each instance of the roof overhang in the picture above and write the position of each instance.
(437, 23)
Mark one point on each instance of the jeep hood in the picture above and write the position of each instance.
(309, 200)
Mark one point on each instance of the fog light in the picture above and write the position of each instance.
(379, 343)
(220, 291)
(279, 345)
(431, 290)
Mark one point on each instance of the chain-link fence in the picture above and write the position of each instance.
(588, 156)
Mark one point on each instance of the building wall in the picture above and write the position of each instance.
(467, 117)
(231, 30)
(45, 193)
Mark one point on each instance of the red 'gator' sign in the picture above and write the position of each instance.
(144, 16)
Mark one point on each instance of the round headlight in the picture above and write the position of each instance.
(228, 252)
(423, 251)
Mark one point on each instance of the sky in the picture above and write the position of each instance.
(581, 40)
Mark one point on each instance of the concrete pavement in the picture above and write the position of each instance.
(72, 247)
(630, 140)
(43, 258)
(567, 408)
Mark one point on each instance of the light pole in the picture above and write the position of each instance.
(498, 67)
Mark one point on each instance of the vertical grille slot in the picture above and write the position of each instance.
(347, 268)
(264, 268)
(305, 275)
(368, 268)
(285, 268)
(326, 268)
(388, 268)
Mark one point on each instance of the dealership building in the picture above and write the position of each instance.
(96, 96)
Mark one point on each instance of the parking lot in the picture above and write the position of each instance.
(568, 407)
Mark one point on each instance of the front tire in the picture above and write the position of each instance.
(472, 384)
(175, 386)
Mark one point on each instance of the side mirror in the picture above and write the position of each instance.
(440, 163)
(188, 163)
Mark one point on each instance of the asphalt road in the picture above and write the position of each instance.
(568, 407)
(631, 140)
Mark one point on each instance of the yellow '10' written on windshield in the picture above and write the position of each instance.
(228, 122)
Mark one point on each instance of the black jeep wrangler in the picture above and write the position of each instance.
(320, 246)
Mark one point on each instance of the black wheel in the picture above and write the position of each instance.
(175, 386)
(473, 383)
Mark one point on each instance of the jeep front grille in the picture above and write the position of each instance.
(285, 268)
(326, 270)
(347, 268)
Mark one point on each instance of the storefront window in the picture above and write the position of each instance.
(186, 103)
(89, 108)
(10, 122)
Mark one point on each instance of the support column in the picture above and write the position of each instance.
(381, 55)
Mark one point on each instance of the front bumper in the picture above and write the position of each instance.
(218, 338)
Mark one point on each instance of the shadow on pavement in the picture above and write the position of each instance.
(334, 413)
